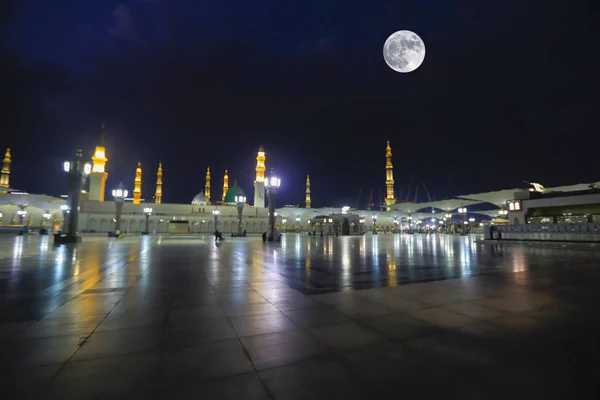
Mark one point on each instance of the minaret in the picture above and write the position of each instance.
(99, 174)
(225, 185)
(307, 191)
(5, 178)
(137, 184)
(158, 193)
(259, 181)
(389, 177)
(207, 186)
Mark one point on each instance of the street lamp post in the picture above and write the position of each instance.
(148, 212)
(216, 217)
(77, 172)
(65, 210)
(448, 222)
(463, 211)
(120, 193)
(21, 214)
(45, 219)
(374, 218)
(471, 223)
(272, 184)
(240, 200)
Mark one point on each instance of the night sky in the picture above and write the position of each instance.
(507, 92)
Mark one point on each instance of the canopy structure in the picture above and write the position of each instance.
(41, 201)
(573, 188)
(488, 213)
(407, 208)
(448, 205)
(498, 198)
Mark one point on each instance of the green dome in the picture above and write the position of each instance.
(233, 191)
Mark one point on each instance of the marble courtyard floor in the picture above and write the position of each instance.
(384, 316)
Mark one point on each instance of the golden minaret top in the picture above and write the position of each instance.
(99, 158)
(389, 177)
(99, 174)
(158, 193)
(307, 191)
(207, 186)
(260, 164)
(225, 184)
(5, 177)
(137, 184)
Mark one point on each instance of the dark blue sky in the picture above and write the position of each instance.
(507, 93)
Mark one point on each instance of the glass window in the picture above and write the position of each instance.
(539, 220)
(572, 219)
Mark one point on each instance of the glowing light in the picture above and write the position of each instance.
(67, 166)
(120, 192)
(273, 182)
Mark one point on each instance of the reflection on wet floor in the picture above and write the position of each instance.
(318, 264)
(183, 317)
(31, 266)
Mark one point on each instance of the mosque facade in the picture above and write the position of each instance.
(97, 214)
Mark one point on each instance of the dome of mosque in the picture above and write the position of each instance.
(233, 191)
(199, 200)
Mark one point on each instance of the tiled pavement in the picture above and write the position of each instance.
(186, 319)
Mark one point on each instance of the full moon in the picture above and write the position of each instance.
(404, 51)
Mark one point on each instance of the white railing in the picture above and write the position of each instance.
(543, 228)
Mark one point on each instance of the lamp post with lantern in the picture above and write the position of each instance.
(463, 211)
(216, 213)
(272, 184)
(120, 193)
(374, 218)
(147, 212)
(65, 211)
(240, 200)
(471, 223)
(22, 214)
(46, 219)
(77, 172)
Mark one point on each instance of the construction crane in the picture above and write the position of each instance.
(358, 198)
(416, 192)
(408, 190)
(370, 200)
(428, 196)
(426, 191)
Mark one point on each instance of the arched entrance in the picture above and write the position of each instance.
(345, 227)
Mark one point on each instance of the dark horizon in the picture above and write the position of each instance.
(505, 94)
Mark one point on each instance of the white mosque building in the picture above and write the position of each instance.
(19, 209)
